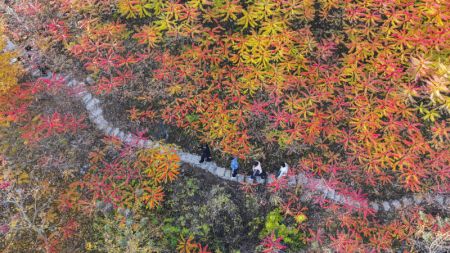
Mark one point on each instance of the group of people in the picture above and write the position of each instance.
(257, 170)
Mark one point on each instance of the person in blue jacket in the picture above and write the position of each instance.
(234, 166)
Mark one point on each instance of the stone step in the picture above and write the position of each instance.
(259, 180)
(386, 206)
(227, 174)
(292, 181)
(220, 171)
(396, 204)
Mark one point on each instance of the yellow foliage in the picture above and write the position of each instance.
(300, 218)
(133, 9)
(436, 75)
(175, 89)
(161, 165)
(9, 72)
(148, 35)
(140, 8)
(24, 178)
(248, 19)
(227, 9)
(9, 75)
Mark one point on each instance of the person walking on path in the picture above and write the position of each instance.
(283, 170)
(234, 166)
(257, 170)
(206, 153)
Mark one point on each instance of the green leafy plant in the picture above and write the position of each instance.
(275, 224)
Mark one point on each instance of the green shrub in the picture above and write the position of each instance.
(275, 223)
(123, 232)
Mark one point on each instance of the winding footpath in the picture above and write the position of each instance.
(314, 185)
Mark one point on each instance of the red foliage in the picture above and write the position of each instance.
(132, 178)
(272, 244)
(54, 83)
(46, 126)
(203, 249)
(69, 229)
(277, 184)
(59, 30)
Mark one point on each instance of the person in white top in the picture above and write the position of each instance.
(283, 170)
(257, 170)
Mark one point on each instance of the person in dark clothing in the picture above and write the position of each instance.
(84, 169)
(206, 153)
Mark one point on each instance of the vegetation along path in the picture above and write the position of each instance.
(315, 185)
